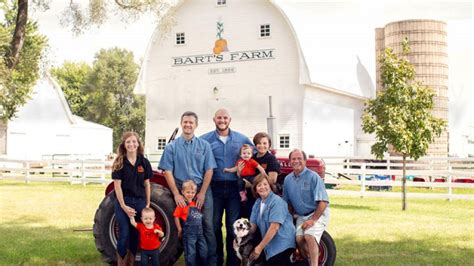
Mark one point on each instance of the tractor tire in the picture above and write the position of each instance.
(106, 229)
(327, 250)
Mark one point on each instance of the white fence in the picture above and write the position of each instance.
(73, 171)
(427, 172)
(154, 158)
(436, 173)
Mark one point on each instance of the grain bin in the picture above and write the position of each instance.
(429, 55)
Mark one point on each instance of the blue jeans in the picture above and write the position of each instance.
(193, 243)
(226, 197)
(153, 254)
(248, 205)
(128, 235)
(208, 225)
(208, 228)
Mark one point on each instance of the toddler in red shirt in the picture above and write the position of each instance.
(150, 234)
(248, 169)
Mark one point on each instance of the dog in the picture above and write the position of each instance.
(244, 241)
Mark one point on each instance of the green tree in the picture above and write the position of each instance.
(400, 115)
(72, 78)
(19, 70)
(111, 101)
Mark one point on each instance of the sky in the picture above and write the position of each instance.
(355, 20)
(135, 36)
(345, 30)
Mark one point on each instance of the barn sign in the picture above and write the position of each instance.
(238, 56)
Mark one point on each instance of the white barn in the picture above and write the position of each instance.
(188, 68)
(45, 127)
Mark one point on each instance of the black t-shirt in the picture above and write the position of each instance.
(268, 162)
(133, 176)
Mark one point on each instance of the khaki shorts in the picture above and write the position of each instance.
(316, 230)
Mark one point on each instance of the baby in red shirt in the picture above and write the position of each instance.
(150, 234)
(248, 168)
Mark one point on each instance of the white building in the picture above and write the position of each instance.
(188, 68)
(45, 127)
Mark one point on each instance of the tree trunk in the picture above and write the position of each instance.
(18, 39)
(3, 137)
(404, 184)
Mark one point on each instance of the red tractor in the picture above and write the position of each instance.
(162, 201)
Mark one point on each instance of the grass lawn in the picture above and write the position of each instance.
(374, 231)
(38, 220)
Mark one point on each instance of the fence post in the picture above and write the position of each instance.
(27, 172)
(83, 173)
(70, 166)
(431, 170)
(102, 174)
(346, 165)
(362, 181)
(450, 184)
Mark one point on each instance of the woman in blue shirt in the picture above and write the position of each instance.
(270, 214)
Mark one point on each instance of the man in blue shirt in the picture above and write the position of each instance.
(306, 195)
(225, 145)
(189, 157)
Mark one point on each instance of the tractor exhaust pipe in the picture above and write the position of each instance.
(271, 122)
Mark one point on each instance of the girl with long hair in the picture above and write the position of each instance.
(131, 172)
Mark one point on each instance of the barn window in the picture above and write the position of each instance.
(221, 2)
(161, 143)
(265, 30)
(284, 141)
(180, 38)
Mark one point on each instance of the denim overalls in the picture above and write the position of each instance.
(193, 238)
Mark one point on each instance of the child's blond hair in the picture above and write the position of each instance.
(189, 184)
(245, 147)
(147, 210)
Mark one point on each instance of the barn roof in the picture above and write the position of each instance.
(328, 67)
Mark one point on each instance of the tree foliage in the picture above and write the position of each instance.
(17, 78)
(72, 78)
(400, 115)
(112, 102)
(104, 93)
(21, 45)
(81, 15)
